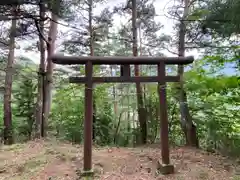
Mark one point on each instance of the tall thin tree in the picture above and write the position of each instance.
(51, 40)
(91, 48)
(188, 127)
(141, 113)
(41, 73)
(8, 133)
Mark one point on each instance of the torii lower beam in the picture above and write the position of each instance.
(123, 79)
(88, 80)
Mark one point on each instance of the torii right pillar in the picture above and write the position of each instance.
(165, 167)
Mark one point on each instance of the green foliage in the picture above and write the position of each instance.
(68, 115)
(227, 12)
(214, 102)
(104, 124)
(104, 116)
(68, 112)
(214, 25)
(1, 117)
(25, 100)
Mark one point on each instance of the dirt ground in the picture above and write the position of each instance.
(51, 160)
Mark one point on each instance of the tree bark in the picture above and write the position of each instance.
(48, 84)
(41, 76)
(114, 95)
(189, 129)
(91, 47)
(141, 110)
(8, 132)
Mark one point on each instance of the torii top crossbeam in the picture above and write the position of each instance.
(120, 60)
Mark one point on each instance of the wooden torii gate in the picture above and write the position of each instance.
(125, 62)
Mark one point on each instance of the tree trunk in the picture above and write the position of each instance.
(91, 47)
(114, 95)
(130, 122)
(8, 132)
(41, 75)
(141, 110)
(48, 84)
(189, 129)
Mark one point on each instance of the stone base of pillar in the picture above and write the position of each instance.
(165, 168)
(86, 175)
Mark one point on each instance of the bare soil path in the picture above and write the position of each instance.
(45, 160)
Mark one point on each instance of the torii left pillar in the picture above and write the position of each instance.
(88, 123)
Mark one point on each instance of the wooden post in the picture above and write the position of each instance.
(165, 167)
(88, 121)
(125, 70)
